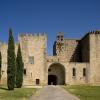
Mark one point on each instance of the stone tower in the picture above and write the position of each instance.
(59, 44)
(94, 55)
(34, 53)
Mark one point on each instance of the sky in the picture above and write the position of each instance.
(73, 17)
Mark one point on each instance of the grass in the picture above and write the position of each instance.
(85, 92)
(17, 94)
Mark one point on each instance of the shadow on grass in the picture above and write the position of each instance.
(3, 88)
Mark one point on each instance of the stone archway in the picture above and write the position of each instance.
(56, 74)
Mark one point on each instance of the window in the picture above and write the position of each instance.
(31, 59)
(37, 81)
(84, 72)
(74, 72)
(58, 37)
(24, 71)
(61, 38)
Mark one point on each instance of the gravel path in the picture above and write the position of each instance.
(53, 93)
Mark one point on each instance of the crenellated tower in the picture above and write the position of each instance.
(33, 48)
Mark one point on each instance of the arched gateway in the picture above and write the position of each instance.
(56, 74)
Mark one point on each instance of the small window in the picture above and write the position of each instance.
(24, 71)
(37, 81)
(74, 72)
(58, 37)
(31, 59)
(61, 39)
(84, 72)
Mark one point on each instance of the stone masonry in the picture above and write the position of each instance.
(74, 61)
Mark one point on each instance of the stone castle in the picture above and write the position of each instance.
(74, 61)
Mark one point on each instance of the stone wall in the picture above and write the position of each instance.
(85, 48)
(3, 49)
(94, 57)
(34, 47)
(97, 79)
(68, 68)
(78, 54)
(78, 78)
(72, 50)
(31, 46)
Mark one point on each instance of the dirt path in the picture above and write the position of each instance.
(53, 93)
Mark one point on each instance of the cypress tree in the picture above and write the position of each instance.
(11, 62)
(19, 68)
(0, 65)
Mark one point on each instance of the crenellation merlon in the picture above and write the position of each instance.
(90, 32)
(31, 34)
(36, 37)
(95, 32)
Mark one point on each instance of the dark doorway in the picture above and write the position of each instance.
(37, 81)
(52, 80)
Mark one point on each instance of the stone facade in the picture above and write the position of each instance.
(74, 61)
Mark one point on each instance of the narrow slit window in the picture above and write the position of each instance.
(24, 71)
(84, 72)
(74, 72)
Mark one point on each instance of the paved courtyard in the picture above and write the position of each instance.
(53, 93)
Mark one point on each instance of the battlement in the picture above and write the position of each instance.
(32, 35)
(95, 32)
(91, 32)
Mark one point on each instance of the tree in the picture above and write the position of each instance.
(19, 68)
(0, 64)
(11, 62)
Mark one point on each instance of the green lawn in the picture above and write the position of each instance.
(17, 94)
(85, 92)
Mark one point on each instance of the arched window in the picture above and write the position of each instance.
(84, 72)
(74, 72)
